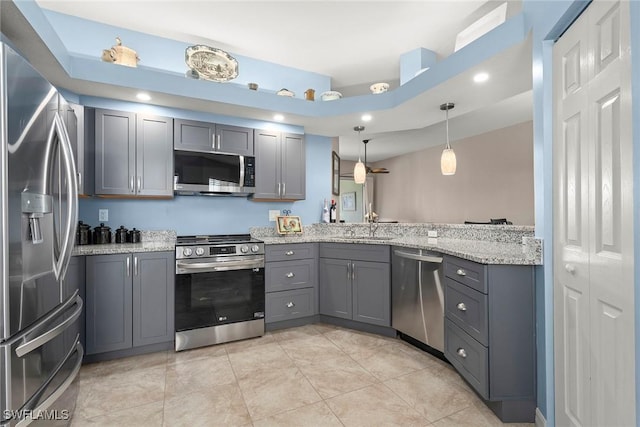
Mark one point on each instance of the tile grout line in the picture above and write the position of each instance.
(244, 401)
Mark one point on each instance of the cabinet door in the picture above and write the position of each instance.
(234, 139)
(193, 135)
(335, 288)
(108, 313)
(293, 167)
(153, 297)
(267, 151)
(115, 152)
(371, 292)
(154, 156)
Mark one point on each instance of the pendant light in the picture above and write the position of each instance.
(359, 171)
(448, 158)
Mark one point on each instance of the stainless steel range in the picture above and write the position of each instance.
(219, 289)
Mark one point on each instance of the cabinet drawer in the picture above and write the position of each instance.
(468, 356)
(289, 251)
(376, 253)
(467, 308)
(288, 305)
(467, 272)
(287, 275)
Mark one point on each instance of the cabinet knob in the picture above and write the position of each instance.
(289, 253)
(290, 304)
(290, 275)
(461, 272)
(570, 268)
(461, 306)
(462, 353)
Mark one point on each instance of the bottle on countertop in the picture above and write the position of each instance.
(332, 211)
(325, 212)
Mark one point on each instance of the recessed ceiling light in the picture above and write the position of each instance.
(143, 96)
(481, 77)
(366, 117)
(278, 117)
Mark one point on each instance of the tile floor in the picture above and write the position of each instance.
(315, 375)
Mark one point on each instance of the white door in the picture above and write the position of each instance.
(593, 221)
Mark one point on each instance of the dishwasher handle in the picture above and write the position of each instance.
(416, 257)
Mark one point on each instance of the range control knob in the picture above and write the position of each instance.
(244, 249)
(255, 248)
(187, 251)
(199, 251)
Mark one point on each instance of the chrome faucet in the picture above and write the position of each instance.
(372, 229)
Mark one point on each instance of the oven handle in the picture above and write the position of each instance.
(203, 267)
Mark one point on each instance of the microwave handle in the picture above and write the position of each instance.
(241, 171)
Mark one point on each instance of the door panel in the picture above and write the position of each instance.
(335, 292)
(154, 156)
(115, 152)
(268, 185)
(293, 167)
(593, 270)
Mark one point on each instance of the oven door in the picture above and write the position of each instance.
(212, 293)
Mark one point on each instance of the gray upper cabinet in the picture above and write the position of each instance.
(130, 300)
(154, 156)
(280, 166)
(133, 154)
(355, 282)
(204, 136)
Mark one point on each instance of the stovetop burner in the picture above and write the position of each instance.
(216, 238)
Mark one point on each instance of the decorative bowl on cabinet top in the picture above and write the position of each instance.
(211, 63)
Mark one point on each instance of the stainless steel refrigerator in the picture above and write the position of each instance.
(40, 351)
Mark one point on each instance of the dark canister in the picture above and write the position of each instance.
(83, 234)
(102, 234)
(133, 236)
(121, 234)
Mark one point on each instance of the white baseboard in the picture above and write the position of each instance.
(540, 420)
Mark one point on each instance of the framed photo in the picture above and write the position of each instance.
(288, 225)
(349, 201)
(335, 173)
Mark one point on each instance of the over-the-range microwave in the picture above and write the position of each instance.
(212, 173)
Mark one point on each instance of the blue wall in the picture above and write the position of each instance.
(218, 215)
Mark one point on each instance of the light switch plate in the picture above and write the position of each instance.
(273, 214)
(432, 233)
(103, 214)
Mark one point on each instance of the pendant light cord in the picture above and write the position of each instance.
(447, 124)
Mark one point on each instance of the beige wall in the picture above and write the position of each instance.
(494, 179)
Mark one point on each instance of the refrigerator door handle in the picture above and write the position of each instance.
(53, 397)
(58, 128)
(50, 334)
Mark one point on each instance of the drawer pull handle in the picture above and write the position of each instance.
(462, 353)
(461, 272)
(290, 304)
(289, 253)
(461, 306)
(290, 275)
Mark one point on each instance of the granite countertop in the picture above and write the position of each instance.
(483, 244)
(151, 241)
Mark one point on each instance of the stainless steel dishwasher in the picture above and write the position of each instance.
(417, 295)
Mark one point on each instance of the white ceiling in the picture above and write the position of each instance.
(356, 43)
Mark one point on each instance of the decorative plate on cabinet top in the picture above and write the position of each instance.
(211, 63)
(285, 92)
(378, 88)
(330, 95)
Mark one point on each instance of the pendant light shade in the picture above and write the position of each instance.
(359, 171)
(448, 158)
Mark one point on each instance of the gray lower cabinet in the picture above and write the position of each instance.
(133, 154)
(291, 281)
(355, 282)
(204, 136)
(490, 333)
(129, 300)
(280, 166)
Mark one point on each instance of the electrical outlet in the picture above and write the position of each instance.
(273, 214)
(103, 214)
(432, 233)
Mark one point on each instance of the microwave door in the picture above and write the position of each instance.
(205, 172)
